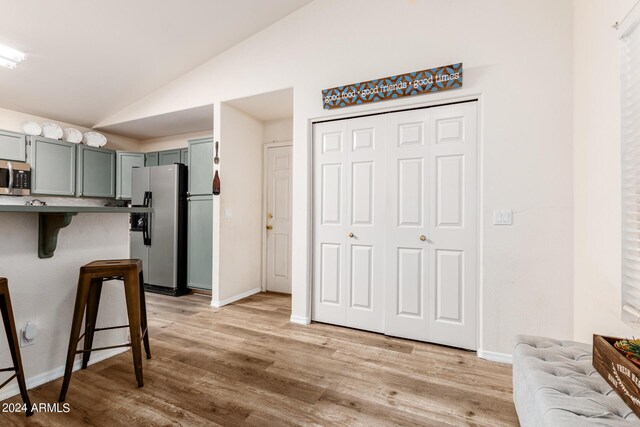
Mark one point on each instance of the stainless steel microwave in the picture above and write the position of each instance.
(15, 178)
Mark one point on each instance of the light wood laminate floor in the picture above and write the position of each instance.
(245, 364)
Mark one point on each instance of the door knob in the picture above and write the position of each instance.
(351, 235)
(269, 227)
(423, 237)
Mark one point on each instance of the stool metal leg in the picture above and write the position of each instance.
(93, 301)
(84, 284)
(143, 318)
(132, 292)
(14, 347)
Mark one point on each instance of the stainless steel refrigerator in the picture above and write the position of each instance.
(159, 239)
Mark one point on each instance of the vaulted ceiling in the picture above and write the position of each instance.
(88, 59)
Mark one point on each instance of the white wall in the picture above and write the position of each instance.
(170, 142)
(596, 177)
(240, 237)
(12, 121)
(43, 290)
(280, 130)
(517, 57)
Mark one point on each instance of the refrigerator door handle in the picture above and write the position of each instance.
(147, 199)
(149, 223)
(144, 231)
(146, 237)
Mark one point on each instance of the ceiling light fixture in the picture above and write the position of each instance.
(10, 57)
(6, 63)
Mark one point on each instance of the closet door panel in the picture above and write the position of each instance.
(329, 223)
(453, 298)
(407, 257)
(365, 231)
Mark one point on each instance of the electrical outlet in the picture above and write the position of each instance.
(28, 334)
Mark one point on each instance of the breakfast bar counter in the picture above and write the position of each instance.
(72, 209)
(53, 218)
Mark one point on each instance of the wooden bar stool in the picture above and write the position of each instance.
(14, 344)
(92, 276)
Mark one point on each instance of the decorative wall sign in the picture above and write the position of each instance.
(410, 84)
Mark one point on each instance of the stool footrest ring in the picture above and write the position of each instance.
(13, 368)
(110, 327)
(108, 279)
(7, 381)
(103, 348)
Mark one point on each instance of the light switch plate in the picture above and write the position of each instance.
(502, 217)
(228, 213)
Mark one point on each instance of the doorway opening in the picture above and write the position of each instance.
(256, 135)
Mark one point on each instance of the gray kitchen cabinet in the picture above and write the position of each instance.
(12, 146)
(168, 157)
(184, 156)
(53, 166)
(95, 172)
(200, 242)
(125, 161)
(200, 166)
(151, 159)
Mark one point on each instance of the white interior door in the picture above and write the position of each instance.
(330, 226)
(407, 256)
(349, 214)
(365, 219)
(453, 204)
(431, 233)
(395, 224)
(279, 187)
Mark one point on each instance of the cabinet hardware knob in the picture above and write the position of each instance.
(351, 235)
(269, 227)
(423, 237)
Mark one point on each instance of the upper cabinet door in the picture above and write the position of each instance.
(96, 172)
(12, 146)
(53, 167)
(124, 163)
(168, 157)
(200, 166)
(184, 156)
(151, 159)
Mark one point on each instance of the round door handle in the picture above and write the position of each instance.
(269, 227)
(351, 235)
(423, 237)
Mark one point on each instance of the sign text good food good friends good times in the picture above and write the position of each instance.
(410, 84)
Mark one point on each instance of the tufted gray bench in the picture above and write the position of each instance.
(554, 384)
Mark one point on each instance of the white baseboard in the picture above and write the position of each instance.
(300, 320)
(12, 388)
(495, 357)
(218, 304)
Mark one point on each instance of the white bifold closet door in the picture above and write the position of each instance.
(349, 217)
(431, 291)
(404, 186)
